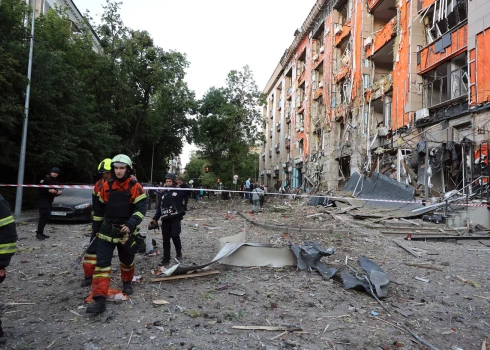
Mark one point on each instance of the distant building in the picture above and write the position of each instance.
(77, 19)
(363, 82)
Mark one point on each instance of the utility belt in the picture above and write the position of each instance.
(132, 242)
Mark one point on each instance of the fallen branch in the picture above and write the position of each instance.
(280, 335)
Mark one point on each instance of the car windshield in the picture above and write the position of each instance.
(75, 192)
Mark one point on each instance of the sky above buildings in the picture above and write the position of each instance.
(217, 35)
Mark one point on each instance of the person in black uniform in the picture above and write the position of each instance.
(186, 194)
(8, 245)
(171, 210)
(45, 201)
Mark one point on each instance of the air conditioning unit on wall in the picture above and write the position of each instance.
(368, 41)
(421, 114)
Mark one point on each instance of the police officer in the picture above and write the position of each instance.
(90, 257)
(182, 184)
(123, 207)
(45, 201)
(8, 246)
(171, 210)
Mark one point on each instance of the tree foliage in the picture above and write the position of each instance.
(128, 96)
(228, 120)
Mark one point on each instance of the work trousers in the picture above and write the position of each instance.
(90, 257)
(171, 229)
(102, 274)
(256, 206)
(44, 215)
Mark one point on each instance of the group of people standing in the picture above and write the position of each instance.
(119, 205)
(256, 195)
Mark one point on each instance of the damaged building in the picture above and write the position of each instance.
(396, 87)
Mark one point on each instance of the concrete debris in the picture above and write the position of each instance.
(309, 255)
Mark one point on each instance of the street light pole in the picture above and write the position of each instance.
(151, 174)
(22, 160)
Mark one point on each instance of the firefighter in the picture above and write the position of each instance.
(45, 201)
(90, 257)
(8, 239)
(171, 210)
(123, 207)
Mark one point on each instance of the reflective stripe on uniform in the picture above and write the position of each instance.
(8, 248)
(98, 218)
(90, 259)
(6, 221)
(102, 272)
(127, 267)
(137, 199)
(107, 238)
(138, 214)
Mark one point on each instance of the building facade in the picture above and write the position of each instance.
(75, 16)
(375, 85)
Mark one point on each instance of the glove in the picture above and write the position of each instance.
(3, 274)
(153, 225)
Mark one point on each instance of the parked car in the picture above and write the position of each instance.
(74, 204)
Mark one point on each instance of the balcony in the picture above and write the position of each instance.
(262, 172)
(278, 149)
(278, 126)
(279, 106)
(288, 116)
(290, 91)
(380, 87)
(442, 49)
(271, 133)
(382, 38)
(287, 143)
(318, 93)
(270, 152)
(341, 32)
(341, 73)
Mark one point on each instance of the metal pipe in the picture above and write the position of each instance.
(22, 160)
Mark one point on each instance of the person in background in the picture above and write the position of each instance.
(8, 245)
(257, 194)
(171, 211)
(186, 194)
(45, 201)
(90, 257)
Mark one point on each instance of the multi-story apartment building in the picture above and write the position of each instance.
(76, 18)
(364, 84)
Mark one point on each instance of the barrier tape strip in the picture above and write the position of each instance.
(90, 187)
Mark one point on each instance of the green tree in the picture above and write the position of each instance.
(13, 67)
(227, 125)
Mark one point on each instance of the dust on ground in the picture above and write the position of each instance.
(451, 311)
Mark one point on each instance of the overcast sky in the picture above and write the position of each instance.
(217, 35)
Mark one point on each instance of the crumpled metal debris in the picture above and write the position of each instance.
(309, 255)
(375, 274)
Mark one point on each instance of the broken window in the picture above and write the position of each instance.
(443, 16)
(299, 122)
(446, 82)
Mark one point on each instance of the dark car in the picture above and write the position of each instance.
(74, 204)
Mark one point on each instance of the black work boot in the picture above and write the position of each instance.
(97, 306)
(86, 282)
(164, 261)
(45, 236)
(179, 255)
(40, 236)
(127, 288)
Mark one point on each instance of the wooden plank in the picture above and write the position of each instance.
(268, 328)
(190, 275)
(442, 238)
(407, 249)
(424, 266)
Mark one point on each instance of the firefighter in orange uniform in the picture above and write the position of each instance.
(90, 257)
(123, 207)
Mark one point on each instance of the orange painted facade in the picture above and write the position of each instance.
(430, 59)
(382, 37)
(377, 69)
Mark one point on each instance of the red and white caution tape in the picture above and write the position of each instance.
(90, 187)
